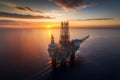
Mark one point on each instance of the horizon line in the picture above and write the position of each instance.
(117, 27)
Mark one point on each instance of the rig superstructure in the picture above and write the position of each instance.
(65, 49)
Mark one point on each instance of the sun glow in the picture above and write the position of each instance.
(48, 26)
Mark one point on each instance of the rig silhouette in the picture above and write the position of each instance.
(65, 49)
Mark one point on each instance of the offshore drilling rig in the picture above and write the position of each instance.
(65, 49)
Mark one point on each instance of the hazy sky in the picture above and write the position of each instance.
(41, 13)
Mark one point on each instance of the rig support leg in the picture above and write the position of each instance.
(63, 62)
(72, 58)
(54, 63)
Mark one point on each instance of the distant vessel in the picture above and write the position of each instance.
(65, 49)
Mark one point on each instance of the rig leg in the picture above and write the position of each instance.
(54, 63)
(63, 62)
(72, 58)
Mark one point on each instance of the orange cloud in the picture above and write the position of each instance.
(20, 8)
(27, 9)
(21, 16)
(26, 24)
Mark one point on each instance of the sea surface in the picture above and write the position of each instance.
(24, 55)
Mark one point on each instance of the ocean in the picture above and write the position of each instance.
(24, 55)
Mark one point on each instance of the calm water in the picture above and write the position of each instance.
(24, 56)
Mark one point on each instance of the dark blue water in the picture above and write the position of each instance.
(24, 56)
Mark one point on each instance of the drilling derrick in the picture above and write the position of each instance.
(64, 34)
(64, 42)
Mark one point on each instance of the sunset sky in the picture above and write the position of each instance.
(49, 13)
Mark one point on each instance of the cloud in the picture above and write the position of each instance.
(21, 16)
(94, 19)
(71, 5)
(7, 4)
(20, 8)
(27, 9)
(10, 22)
(23, 24)
(13, 24)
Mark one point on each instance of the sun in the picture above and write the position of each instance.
(48, 26)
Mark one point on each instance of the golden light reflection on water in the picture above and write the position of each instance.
(49, 33)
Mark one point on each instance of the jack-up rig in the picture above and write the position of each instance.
(65, 49)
